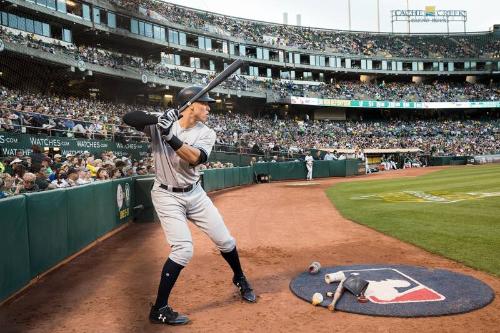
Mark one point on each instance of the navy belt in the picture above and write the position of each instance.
(179, 189)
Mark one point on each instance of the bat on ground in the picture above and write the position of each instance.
(336, 296)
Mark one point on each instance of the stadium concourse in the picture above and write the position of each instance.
(108, 288)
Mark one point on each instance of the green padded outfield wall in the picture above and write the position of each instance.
(246, 175)
(14, 246)
(48, 229)
(82, 218)
(220, 179)
(104, 215)
(39, 230)
(448, 160)
(284, 170)
(321, 169)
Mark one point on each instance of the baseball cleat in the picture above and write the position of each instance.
(167, 316)
(246, 290)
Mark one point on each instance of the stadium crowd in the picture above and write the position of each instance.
(66, 116)
(40, 172)
(91, 118)
(343, 42)
(433, 137)
(390, 91)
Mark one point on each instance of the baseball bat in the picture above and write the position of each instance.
(138, 119)
(336, 296)
(215, 82)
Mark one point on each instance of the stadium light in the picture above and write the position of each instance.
(378, 15)
(349, 12)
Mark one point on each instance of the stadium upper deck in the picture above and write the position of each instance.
(162, 47)
(482, 44)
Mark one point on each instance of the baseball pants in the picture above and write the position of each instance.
(174, 209)
(309, 168)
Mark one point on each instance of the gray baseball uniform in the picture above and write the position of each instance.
(173, 208)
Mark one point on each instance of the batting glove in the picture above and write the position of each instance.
(165, 122)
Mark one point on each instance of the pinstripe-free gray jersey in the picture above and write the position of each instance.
(170, 168)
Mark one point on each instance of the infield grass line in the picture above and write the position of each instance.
(453, 212)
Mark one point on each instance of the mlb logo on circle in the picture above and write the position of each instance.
(390, 286)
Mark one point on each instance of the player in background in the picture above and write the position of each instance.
(309, 165)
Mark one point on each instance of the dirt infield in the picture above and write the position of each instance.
(280, 229)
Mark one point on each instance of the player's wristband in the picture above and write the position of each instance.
(175, 143)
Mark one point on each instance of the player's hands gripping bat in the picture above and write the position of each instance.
(165, 122)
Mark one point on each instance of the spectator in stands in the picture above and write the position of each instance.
(116, 173)
(102, 174)
(84, 177)
(46, 162)
(36, 157)
(7, 187)
(42, 180)
(142, 170)
(28, 184)
(60, 181)
(57, 161)
(72, 177)
(18, 170)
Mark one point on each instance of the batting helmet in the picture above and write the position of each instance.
(189, 92)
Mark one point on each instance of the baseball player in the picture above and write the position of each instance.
(309, 165)
(178, 146)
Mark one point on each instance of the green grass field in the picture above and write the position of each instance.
(453, 212)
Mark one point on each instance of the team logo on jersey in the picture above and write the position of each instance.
(390, 286)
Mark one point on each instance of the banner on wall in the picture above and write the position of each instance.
(11, 142)
(389, 104)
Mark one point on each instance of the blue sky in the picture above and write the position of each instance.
(482, 14)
